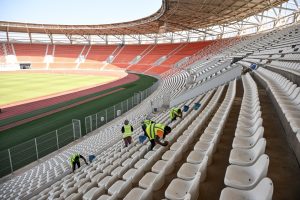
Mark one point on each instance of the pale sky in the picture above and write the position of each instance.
(76, 11)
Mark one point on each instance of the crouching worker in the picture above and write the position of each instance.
(174, 113)
(157, 132)
(127, 130)
(145, 123)
(74, 160)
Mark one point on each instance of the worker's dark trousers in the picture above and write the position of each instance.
(76, 163)
(144, 129)
(127, 141)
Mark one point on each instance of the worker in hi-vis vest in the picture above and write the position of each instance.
(145, 123)
(174, 113)
(127, 130)
(157, 132)
(74, 160)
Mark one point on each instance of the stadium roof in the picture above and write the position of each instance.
(184, 19)
(174, 15)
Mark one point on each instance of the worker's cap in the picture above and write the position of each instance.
(126, 122)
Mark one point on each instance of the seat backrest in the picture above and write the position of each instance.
(194, 189)
(295, 93)
(260, 167)
(260, 147)
(147, 194)
(210, 149)
(263, 190)
(291, 89)
(258, 134)
(297, 99)
(203, 168)
(257, 123)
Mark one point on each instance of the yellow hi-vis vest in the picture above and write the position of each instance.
(73, 158)
(127, 131)
(153, 129)
(173, 112)
(148, 122)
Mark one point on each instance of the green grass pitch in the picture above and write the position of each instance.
(27, 131)
(16, 87)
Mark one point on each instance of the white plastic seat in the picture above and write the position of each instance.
(107, 181)
(158, 166)
(119, 171)
(134, 175)
(129, 174)
(120, 188)
(247, 142)
(246, 157)
(93, 193)
(68, 192)
(152, 179)
(188, 171)
(74, 196)
(248, 124)
(105, 197)
(246, 177)
(139, 194)
(168, 155)
(195, 157)
(248, 132)
(98, 177)
(87, 186)
(295, 124)
(155, 180)
(262, 191)
(180, 189)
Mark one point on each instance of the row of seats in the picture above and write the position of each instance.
(286, 97)
(246, 178)
(193, 171)
(286, 93)
(66, 56)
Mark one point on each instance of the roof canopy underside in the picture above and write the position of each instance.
(173, 16)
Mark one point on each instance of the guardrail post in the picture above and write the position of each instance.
(127, 104)
(96, 120)
(91, 121)
(132, 100)
(10, 161)
(79, 128)
(57, 144)
(114, 111)
(105, 116)
(36, 149)
(73, 125)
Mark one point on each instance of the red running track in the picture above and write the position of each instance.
(36, 104)
(2, 128)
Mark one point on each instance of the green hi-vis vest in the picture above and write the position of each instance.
(173, 112)
(73, 158)
(148, 122)
(127, 131)
(152, 129)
